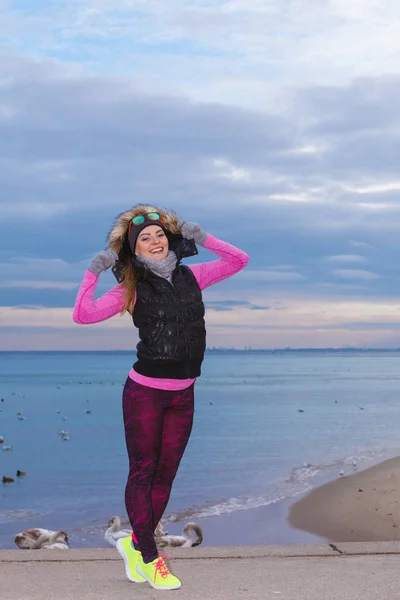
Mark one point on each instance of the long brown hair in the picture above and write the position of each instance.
(118, 241)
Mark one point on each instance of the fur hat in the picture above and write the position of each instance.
(118, 237)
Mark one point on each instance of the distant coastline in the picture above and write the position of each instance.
(218, 350)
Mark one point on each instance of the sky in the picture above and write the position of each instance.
(275, 124)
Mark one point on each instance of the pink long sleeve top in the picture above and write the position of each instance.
(87, 310)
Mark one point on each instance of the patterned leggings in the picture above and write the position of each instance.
(157, 424)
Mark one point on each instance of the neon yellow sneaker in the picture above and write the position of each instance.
(158, 575)
(131, 558)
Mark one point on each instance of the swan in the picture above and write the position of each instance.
(58, 540)
(25, 540)
(114, 531)
(185, 540)
(159, 531)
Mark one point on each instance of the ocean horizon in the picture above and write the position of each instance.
(219, 349)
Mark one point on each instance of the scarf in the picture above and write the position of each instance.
(162, 267)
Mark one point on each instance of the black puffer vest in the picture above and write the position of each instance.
(170, 320)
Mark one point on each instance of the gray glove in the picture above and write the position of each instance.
(103, 261)
(193, 231)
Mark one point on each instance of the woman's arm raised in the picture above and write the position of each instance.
(231, 261)
(88, 310)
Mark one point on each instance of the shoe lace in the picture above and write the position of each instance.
(160, 566)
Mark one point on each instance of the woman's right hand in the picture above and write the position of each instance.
(103, 261)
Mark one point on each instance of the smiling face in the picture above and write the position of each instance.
(152, 243)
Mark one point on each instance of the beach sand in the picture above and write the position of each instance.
(361, 507)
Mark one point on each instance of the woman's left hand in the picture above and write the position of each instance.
(193, 231)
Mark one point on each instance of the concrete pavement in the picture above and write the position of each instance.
(352, 571)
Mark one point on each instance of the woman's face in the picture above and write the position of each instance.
(152, 243)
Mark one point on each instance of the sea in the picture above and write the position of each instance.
(268, 426)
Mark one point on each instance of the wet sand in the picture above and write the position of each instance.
(361, 507)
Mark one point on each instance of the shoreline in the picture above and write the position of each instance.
(289, 521)
(271, 524)
(361, 507)
(261, 526)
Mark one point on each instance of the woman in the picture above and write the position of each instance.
(145, 249)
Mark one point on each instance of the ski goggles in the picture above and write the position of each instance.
(140, 219)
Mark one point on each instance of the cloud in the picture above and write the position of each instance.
(358, 244)
(106, 140)
(224, 304)
(39, 285)
(286, 322)
(228, 171)
(52, 318)
(220, 50)
(40, 272)
(346, 258)
(292, 157)
(27, 307)
(270, 275)
(232, 305)
(256, 307)
(355, 274)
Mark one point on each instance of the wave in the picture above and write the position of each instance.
(19, 515)
(298, 482)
